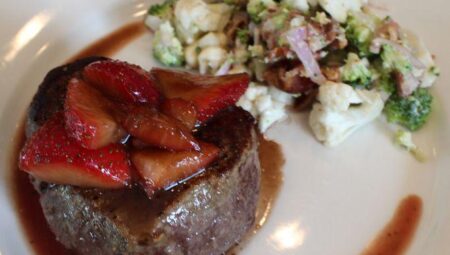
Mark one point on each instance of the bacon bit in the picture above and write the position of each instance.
(287, 78)
(332, 73)
(238, 20)
(389, 30)
(305, 101)
(277, 54)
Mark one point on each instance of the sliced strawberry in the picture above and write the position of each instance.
(210, 94)
(161, 169)
(52, 156)
(123, 81)
(181, 110)
(157, 129)
(88, 116)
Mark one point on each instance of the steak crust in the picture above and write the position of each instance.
(207, 214)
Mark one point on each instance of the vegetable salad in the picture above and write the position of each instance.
(336, 59)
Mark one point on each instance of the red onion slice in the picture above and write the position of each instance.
(224, 68)
(375, 47)
(406, 84)
(297, 40)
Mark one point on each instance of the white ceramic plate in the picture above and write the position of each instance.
(333, 201)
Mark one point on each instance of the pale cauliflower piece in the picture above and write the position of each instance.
(193, 17)
(301, 5)
(192, 51)
(211, 58)
(191, 55)
(334, 118)
(212, 39)
(267, 105)
(339, 9)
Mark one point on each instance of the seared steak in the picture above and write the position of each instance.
(207, 214)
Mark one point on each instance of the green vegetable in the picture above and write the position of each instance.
(256, 51)
(166, 47)
(386, 83)
(243, 35)
(356, 72)
(256, 8)
(360, 32)
(404, 139)
(163, 11)
(279, 20)
(411, 112)
(393, 60)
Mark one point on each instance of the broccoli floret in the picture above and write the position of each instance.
(356, 72)
(393, 60)
(166, 47)
(411, 112)
(404, 139)
(256, 8)
(164, 10)
(386, 83)
(243, 35)
(360, 33)
(159, 13)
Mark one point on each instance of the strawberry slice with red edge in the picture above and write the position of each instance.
(89, 116)
(162, 169)
(182, 110)
(52, 156)
(125, 82)
(154, 128)
(209, 94)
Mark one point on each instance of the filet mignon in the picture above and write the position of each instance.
(207, 214)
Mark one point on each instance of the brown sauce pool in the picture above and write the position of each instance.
(112, 43)
(29, 210)
(396, 236)
(272, 161)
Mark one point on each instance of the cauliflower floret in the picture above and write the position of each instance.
(166, 47)
(195, 16)
(192, 51)
(339, 9)
(334, 118)
(212, 39)
(301, 5)
(211, 58)
(267, 105)
(191, 55)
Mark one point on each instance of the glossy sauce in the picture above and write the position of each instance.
(112, 43)
(272, 161)
(28, 208)
(396, 236)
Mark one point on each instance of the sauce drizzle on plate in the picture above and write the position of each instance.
(396, 236)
